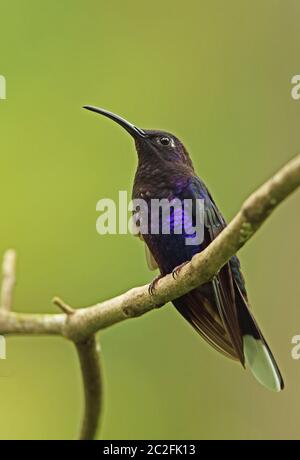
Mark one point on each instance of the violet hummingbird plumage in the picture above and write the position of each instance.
(217, 310)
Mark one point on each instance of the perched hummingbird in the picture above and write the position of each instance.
(218, 310)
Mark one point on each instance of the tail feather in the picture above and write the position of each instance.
(258, 356)
(262, 364)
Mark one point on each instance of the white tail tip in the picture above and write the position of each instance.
(260, 361)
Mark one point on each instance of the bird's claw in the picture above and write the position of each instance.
(152, 285)
(177, 270)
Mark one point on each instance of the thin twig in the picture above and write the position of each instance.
(8, 279)
(63, 306)
(89, 358)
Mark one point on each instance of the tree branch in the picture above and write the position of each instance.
(31, 323)
(8, 279)
(80, 325)
(88, 353)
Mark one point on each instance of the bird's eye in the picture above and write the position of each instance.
(164, 140)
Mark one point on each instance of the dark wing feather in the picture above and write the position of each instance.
(197, 310)
(214, 315)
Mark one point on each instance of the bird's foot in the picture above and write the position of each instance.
(177, 270)
(152, 285)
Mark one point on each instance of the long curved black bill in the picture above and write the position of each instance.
(130, 128)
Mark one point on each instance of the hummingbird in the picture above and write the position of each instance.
(219, 309)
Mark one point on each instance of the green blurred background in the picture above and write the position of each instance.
(218, 75)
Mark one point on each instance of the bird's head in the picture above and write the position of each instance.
(157, 147)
